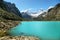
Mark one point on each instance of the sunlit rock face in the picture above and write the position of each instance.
(54, 13)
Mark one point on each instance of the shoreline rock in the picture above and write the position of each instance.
(6, 25)
(19, 38)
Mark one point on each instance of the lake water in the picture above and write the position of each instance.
(44, 30)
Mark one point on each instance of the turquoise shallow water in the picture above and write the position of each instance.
(44, 30)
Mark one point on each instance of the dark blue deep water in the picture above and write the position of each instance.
(44, 30)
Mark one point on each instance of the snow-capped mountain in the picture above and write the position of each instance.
(36, 14)
(29, 15)
(25, 15)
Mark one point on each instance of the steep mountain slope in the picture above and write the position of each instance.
(10, 7)
(8, 16)
(9, 12)
(53, 14)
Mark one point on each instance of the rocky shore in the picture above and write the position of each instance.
(18, 38)
(6, 25)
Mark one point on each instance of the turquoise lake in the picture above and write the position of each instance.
(44, 30)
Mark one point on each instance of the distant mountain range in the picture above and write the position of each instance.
(31, 15)
(52, 14)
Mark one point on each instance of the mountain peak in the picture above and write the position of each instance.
(58, 5)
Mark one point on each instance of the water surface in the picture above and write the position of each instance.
(44, 30)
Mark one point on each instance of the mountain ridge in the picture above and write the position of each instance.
(9, 11)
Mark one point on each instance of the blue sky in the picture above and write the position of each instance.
(33, 5)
